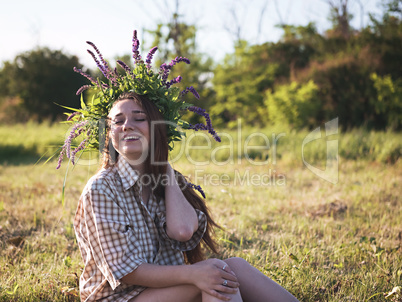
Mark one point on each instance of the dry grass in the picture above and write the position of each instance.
(321, 241)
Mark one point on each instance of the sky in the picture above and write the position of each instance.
(67, 25)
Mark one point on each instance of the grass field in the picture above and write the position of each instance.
(321, 241)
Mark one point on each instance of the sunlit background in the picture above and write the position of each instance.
(294, 88)
(66, 25)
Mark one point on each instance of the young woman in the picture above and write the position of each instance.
(139, 224)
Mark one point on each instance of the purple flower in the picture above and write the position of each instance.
(73, 134)
(72, 115)
(174, 81)
(77, 70)
(82, 89)
(150, 56)
(136, 46)
(208, 126)
(178, 60)
(60, 157)
(198, 188)
(192, 90)
(101, 67)
(165, 69)
(78, 149)
(125, 67)
(199, 126)
(105, 65)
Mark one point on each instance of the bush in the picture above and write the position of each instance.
(294, 104)
(388, 101)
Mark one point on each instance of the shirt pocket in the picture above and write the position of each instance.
(121, 228)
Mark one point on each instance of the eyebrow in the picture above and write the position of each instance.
(134, 111)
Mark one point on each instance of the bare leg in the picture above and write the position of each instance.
(180, 293)
(233, 298)
(255, 286)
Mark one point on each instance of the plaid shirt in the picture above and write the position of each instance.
(116, 232)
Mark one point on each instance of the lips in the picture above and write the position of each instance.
(130, 138)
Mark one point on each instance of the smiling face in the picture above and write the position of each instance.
(129, 131)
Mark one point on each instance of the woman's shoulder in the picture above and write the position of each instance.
(104, 180)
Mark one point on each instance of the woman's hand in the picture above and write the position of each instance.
(215, 277)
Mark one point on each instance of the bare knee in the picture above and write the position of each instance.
(237, 263)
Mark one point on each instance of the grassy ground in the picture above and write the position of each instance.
(323, 242)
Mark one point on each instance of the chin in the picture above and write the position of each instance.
(131, 154)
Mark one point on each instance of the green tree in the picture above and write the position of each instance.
(383, 38)
(340, 17)
(38, 79)
(388, 100)
(177, 39)
(243, 78)
(293, 104)
(240, 82)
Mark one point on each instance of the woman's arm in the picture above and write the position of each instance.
(206, 275)
(181, 218)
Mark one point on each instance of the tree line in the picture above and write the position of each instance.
(302, 80)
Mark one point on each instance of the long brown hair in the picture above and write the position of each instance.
(160, 155)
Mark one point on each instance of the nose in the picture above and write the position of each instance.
(128, 125)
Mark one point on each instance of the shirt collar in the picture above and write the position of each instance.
(128, 175)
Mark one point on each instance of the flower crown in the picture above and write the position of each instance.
(89, 121)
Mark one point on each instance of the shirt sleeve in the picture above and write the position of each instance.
(186, 245)
(112, 241)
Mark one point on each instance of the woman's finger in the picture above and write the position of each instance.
(229, 276)
(231, 284)
(227, 290)
(223, 266)
(219, 295)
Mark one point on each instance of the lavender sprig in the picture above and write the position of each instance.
(164, 71)
(174, 81)
(125, 67)
(178, 60)
(60, 157)
(78, 149)
(105, 65)
(199, 126)
(166, 68)
(77, 70)
(136, 46)
(198, 188)
(100, 66)
(192, 90)
(73, 134)
(150, 56)
(82, 89)
(208, 126)
(72, 115)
